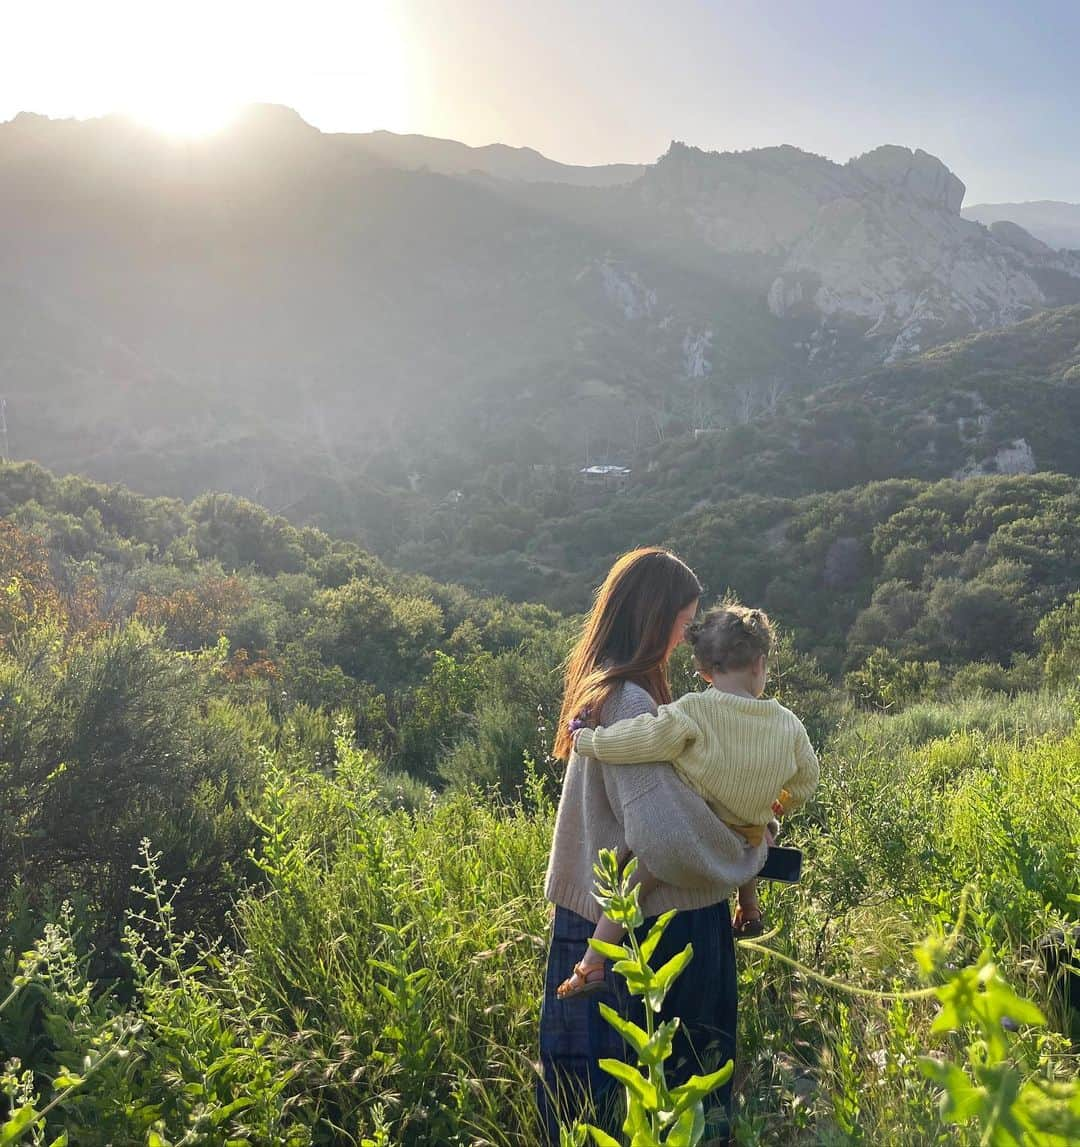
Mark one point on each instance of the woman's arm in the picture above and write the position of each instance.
(667, 825)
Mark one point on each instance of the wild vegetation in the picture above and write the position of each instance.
(528, 528)
(429, 374)
(275, 820)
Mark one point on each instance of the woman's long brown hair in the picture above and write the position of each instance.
(626, 635)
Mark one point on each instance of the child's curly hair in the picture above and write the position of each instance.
(730, 636)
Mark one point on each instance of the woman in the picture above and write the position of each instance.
(618, 670)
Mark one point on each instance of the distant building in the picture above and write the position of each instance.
(610, 474)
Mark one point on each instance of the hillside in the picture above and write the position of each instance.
(289, 316)
(309, 623)
(233, 901)
(1000, 403)
(1054, 223)
(955, 571)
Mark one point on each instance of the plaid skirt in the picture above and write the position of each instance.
(574, 1035)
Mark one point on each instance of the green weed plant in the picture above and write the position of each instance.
(379, 978)
(657, 1115)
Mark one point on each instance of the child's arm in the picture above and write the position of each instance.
(642, 740)
(807, 770)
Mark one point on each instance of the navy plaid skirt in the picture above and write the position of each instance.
(574, 1035)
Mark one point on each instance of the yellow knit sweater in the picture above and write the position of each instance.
(736, 752)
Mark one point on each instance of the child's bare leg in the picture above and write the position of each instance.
(608, 931)
(748, 897)
(592, 962)
(748, 913)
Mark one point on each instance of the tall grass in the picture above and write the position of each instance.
(381, 984)
(403, 951)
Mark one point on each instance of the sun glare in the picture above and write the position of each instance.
(187, 70)
(183, 113)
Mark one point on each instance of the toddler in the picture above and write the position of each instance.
(747, 757)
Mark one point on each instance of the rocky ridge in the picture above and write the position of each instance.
(1052, 222)
(876, 249)
(277, 312)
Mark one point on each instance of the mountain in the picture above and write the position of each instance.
(874, 250)
(1056, 224)
(447, 156)
(286, 306)
(291, 316)
(1000, 402)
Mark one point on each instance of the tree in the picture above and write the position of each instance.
(975, 621)
(30, 602)
(105, 746)
(1058, 636)
(885, 682)
(376, 635)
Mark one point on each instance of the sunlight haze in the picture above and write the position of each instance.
(395, 395)
(188, 68)
(987, 87)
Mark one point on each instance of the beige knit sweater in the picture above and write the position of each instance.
(738, 753)
(645, 810)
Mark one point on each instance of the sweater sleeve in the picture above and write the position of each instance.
(807, 770)
(639, 740)
(667, 825)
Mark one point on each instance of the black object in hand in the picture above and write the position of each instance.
(782, 864)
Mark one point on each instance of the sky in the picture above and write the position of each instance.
(991, 88)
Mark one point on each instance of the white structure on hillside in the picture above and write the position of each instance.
(605, 473)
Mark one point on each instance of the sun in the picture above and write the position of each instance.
(183, 113)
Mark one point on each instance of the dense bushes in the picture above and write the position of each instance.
(1059, 636)
(383, 982)
(102, 746)
(376, 979)
(307, 620)
(951, 571)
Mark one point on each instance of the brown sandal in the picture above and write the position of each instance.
(589, 980)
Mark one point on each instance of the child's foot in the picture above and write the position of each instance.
(748, 921)
(587, 978)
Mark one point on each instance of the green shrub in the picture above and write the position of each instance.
(1058, 635)
(108, 745)
(884, 682)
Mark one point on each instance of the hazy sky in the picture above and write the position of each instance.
(992, 88)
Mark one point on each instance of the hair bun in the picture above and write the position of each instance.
(730, 636)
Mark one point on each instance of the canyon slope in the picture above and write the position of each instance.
(318, 320)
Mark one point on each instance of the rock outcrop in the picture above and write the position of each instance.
(916, 174)
(875, 248)
(1053, 223)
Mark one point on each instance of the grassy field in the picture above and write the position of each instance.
(381, 983)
